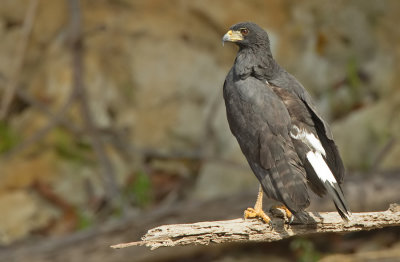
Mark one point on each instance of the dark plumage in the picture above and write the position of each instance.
(287, 144)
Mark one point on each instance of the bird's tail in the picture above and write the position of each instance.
(336, 193)
(331, 185)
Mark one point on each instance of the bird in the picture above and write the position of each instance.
(287, 144)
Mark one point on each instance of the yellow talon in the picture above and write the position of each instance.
(289, 214)
(257, 211)
(252, 213)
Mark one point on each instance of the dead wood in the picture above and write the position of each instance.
(240, 230)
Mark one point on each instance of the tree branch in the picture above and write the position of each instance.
(240, 230)
(106, 168)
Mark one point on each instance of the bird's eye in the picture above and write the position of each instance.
(244, 31)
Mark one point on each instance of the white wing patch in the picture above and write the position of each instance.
(309, 139)
(320, 167)
(315, 154)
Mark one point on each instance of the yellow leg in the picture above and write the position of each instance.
(257, 211)
(289, 214)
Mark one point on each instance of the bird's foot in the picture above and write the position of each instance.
(282, 211)
(256, 213)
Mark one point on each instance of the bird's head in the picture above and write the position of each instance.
(246, 34)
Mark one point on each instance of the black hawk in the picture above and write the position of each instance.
(288, 146)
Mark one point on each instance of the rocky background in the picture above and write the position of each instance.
(152, 74)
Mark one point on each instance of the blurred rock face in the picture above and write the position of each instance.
(154, 70)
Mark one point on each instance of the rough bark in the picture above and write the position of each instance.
(240, 230)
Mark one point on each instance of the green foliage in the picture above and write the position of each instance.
(117, 210)
(352, 73)
(354, 79)
(8, 138)
(140, 189)
(69, 147)
(304, 249)
(84, 220)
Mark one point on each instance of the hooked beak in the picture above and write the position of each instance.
(232, 36)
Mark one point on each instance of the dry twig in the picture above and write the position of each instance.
(239, 230)
(76, 38)
(19, 60)
(45, 109)
(53, 122)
